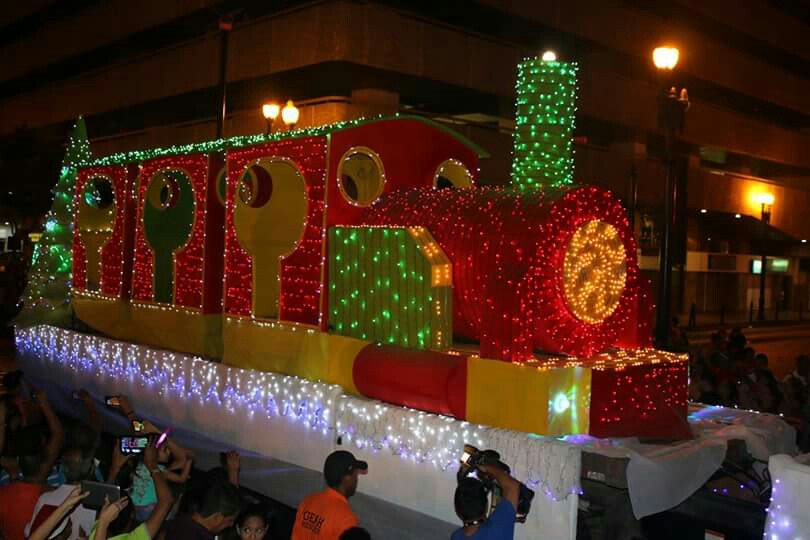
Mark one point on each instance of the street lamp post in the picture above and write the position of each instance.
(270, 112)
(672, 107)
(766, 204)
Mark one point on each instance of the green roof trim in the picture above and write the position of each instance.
(222, 145)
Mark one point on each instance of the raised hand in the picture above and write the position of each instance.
(109, 512)
(74, 497)
(119, 458)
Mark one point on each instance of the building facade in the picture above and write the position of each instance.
(148, 74)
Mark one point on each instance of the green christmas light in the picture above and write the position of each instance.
(390, 285)
(221, 145)
(544, 124)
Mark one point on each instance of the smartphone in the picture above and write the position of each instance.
(137, 426)
(133, 445)
(465, 458)
(112, 401)
(98, 492)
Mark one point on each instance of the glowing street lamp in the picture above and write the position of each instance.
(765, 199)
(270, 112)
(665, 57)
(290, 114)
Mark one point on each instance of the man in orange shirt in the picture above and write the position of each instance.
(325, 515)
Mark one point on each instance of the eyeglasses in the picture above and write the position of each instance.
(250, 532)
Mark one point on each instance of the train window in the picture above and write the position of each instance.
(98, 193)
(163, 190)
(452, 174)
(269, 218)
(255, 187)
(361, 176)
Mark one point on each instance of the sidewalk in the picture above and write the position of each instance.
(712, 320)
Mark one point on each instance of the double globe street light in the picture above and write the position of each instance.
(289, 115)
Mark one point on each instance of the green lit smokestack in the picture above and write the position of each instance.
(544, 123)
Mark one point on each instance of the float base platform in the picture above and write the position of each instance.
(619, 393)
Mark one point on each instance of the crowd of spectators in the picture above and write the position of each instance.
(50, 467)
(728, 371)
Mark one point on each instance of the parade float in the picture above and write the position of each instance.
(355, 284)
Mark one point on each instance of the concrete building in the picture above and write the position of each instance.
(146, 74)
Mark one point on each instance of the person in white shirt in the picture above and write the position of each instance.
(802, 370)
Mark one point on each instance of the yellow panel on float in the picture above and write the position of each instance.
(178, 329)
(291, 349)
(187, 331)
(109, 316)
(525, 398)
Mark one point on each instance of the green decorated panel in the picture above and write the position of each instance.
(390, 285)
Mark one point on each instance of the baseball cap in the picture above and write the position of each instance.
(340, 463)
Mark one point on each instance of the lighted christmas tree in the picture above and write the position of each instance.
(46, 299)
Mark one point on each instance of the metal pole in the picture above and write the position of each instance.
(763, 270)
(665, 259)
(225, 28)
(633, 196)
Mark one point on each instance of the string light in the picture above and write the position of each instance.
(223, 145)
(181, 278)
(230, 395)
(190, 379)
(507, 247)
(544, 123)
(594, 271)
(300, 275)
(786, 517)
(391, 285)
(110, 255)
(47, 291)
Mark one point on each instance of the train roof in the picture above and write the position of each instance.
(222, 145)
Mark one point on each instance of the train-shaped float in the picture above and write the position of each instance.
(368, 254)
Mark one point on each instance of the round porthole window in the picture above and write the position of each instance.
(361, 176)
(98, 193)
(255, 187)
(163, 190)
(452, 174)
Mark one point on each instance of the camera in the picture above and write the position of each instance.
(472, 458)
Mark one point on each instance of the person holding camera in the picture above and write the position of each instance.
(471, 501)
